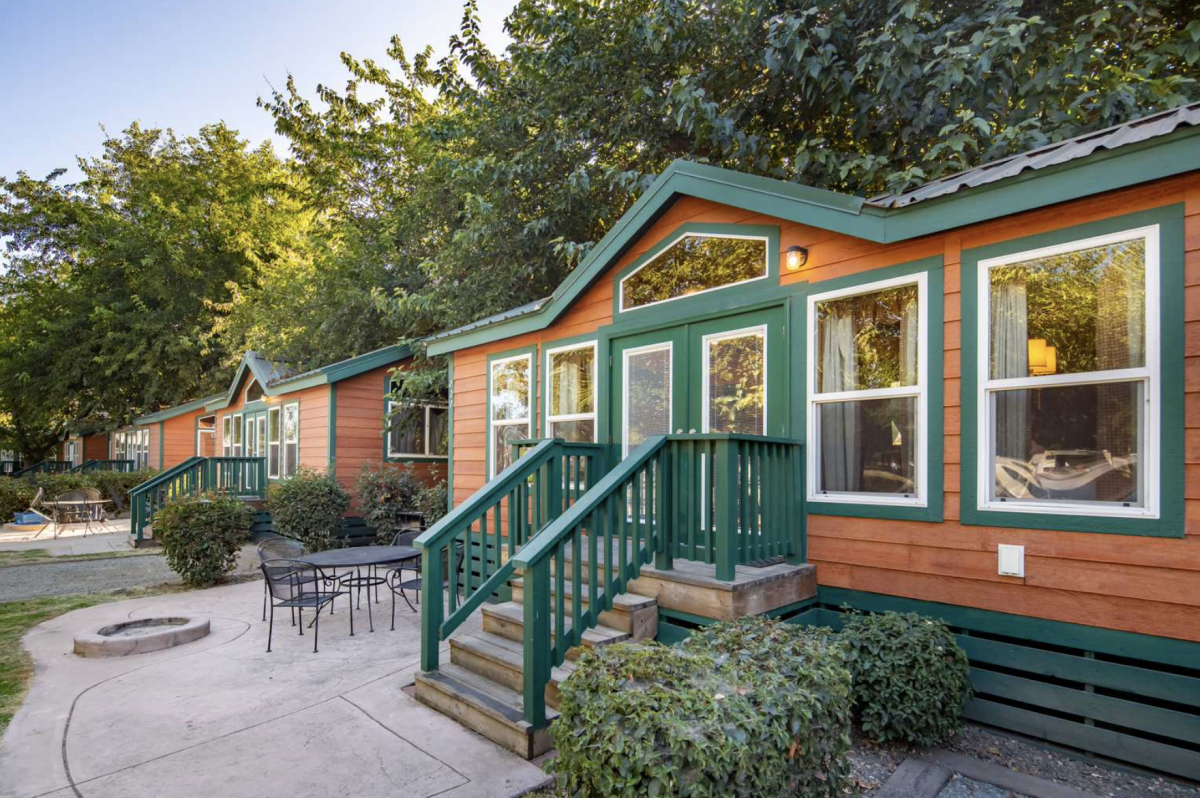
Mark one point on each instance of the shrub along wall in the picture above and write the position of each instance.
(1125, 696)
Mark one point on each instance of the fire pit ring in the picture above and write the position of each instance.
(141, 636)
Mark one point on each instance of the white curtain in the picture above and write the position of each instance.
(1010, 358)
(567, 375)
(840, 469)
(908, 344)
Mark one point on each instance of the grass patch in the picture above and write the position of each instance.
(22, 556)
(34, 556)
(18, 617)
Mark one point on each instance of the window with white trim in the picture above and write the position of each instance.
(509, 407)
(72, 451)
(867, 351)
(695, 263)
(290, 441)
(1068, 363)
(416, 430)
(133, 445)
(226, 437)
(238, 431)
(571, 400)
(274, 440)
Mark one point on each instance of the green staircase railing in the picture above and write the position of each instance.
(242, 477)
(89, 466)
(470, 549)
(45, 467)
(719, 498)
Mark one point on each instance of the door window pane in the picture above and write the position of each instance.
(503, 435)
(693, 264)
(571, 382)
(737, 384)
(868, 341)
(647, 395)
(1069, 313)
(273, 442)
(510, 390)
(1068, 443)
(578, 431)
(868, 446)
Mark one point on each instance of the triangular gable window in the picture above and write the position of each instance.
(693, 264)
(254, 391)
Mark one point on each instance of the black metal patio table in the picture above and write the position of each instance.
(358, 558)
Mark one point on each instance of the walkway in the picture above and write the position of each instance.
(222, 717)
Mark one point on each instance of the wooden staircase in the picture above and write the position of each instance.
(482, 685)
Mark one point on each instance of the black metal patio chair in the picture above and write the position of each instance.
(297, 585)
(278, 549)
(396, 581)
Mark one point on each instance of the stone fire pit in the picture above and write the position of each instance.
(141, 636)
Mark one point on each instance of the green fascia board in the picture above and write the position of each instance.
(248, 364)
(177, 410)
(1103, 170)
(363, 363)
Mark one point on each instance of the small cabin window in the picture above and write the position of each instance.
(693, 264)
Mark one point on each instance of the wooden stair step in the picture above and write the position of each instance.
(493, 710)
(631, 612)
(508, 620)
(502, 660)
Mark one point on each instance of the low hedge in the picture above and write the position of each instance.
(911, 678)
(308, 507)
(384, 492)
(753, 708)
(201, 536)
(15, 496)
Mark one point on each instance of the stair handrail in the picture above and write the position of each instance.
(87, 466)
(140, 514)
(645, 471)
(439, 546)
(44, 467)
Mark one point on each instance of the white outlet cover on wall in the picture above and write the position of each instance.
(1011, 560)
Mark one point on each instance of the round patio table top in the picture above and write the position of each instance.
(361, 556)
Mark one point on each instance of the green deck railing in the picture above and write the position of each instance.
(718, 498)
(90, 466)
(45, 467)
(242, 477)
(470, 549)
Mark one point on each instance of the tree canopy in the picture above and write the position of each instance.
(425, 193)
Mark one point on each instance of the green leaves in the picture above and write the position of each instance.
(308, 507)
(201, 536)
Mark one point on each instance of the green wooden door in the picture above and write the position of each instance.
(728, 374)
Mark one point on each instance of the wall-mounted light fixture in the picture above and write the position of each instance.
(1042, 359)
(796, 258)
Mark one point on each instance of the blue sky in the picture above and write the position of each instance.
(68, 67)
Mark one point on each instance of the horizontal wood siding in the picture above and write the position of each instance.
(179, 438)
(1142, 584)
(314, 422)
(359, 430)
(95, 447)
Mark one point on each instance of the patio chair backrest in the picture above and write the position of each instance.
(72, 496)
(289, 579)
(279, 548)
(38, 498)
(405, 537)
(91, 494)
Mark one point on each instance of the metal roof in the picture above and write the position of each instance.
(521, 310)
(1131, 132)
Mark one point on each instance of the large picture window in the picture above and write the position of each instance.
(1069, 373)
(571, 399)
(509, 407)
(274, 441)
(867, 391)
(692, 264)
(417, 430)
(290, 423)
(133, 445)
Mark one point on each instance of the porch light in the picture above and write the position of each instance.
(796, 258)
(1042, 359)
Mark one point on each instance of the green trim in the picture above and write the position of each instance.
(933, 364)
(601, 343)
(407, 458)
(162, 436)
(177, 410)
(258, 405)
(332, 467)
(532, 351)
(1170, 522)
(770, 279)
(346, 369)
(1103, 170)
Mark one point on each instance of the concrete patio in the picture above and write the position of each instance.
(221, 717)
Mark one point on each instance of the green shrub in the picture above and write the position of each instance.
(15, 496)
(695, 720)
(910, 677)
(308, 507)
(201, 536)
(433, 502)
(116, 485)
(383, 494)
(59, 483)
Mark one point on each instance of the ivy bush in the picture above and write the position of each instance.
(385, 492)
(201, 536)
(15, 496)
(308, 507)
(910, 677)
(645, 719)
(433, 502)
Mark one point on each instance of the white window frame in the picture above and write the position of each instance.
(705, 341)
(1149, 375)
(239, 429)
(277, 412)
(531, 403)
(920, 392)
(693, 234)
(426, 443)
(227, 436)
(285, 441)
(593, 416)
(670, 347)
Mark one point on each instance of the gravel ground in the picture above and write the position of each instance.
(872, 765)
(89, 576)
